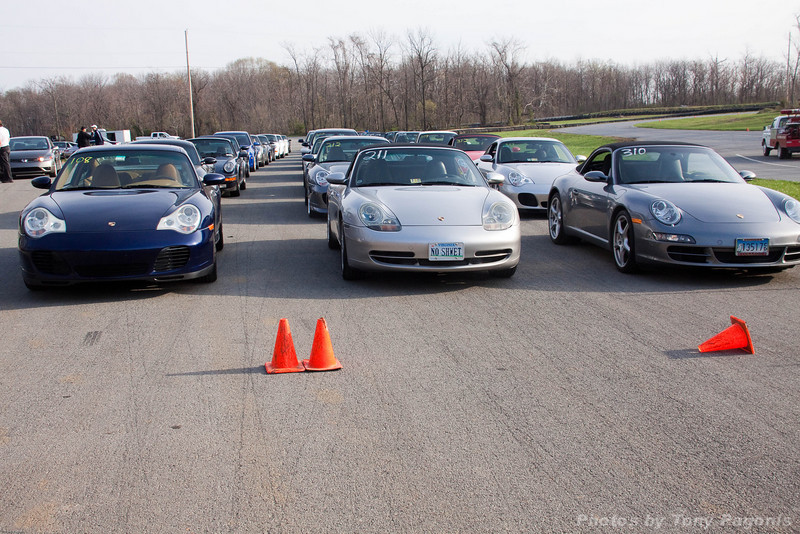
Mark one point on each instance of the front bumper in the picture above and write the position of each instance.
(527, 197)
(407, 250)
(32, 168)
(156, 256)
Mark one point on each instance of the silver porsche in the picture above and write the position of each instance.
(672, 203)
(420, 208)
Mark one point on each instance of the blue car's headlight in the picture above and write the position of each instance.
(665, 212)
(499, 216)
(185, 219)
(792, 209)
(39, 222)
(377, 217)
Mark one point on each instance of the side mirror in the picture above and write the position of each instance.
(748, 175)
(487, 158)
(214, 178)
(495, 178)
(42, 182)
(580, 159)
(308, 157)
(209, 160)
(596, 176)
(336, 178)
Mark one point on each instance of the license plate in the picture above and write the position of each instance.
(752, 247)
(445, 251)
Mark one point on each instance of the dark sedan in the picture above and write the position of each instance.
(33, 155)
(226, 161)
(122, 213)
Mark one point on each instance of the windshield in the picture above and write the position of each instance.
(659, 164)
(127, 170)
(406, 137)
(28, 143)
(213, 148)
(473, 143)
(542, 151)
(344, 150)
(435, 138)
(414, 166)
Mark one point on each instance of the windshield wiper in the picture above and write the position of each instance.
(147, 186)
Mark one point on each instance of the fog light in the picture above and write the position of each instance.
(674, 238)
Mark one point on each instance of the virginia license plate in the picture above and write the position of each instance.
(752, 247)
(445, 251)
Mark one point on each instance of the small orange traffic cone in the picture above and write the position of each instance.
(322, 358)
(284, 358)
(736, 336)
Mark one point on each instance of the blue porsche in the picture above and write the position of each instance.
(122, 213)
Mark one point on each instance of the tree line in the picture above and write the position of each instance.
(381, 83)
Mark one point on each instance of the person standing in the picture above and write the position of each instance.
(84, 138)
(5, 163)
(97, 137)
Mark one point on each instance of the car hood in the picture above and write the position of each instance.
(424, 205)
(542, 172)
(335, 166)
(716, 202)
(129, 210)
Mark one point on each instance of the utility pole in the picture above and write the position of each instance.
(189, 77)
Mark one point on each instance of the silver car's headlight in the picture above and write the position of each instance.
(229, 166)
(665, 212)
(377, 217)
(40, 222)
(320, 177)
(792, 209)
(185, 219)
(516, 178)
(499, 216)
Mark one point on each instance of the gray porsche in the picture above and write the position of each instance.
(673, 203)
(420, 208)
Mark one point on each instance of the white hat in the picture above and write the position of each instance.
(94, 126)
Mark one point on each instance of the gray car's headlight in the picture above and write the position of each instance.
(39, 222)
(377, 217)
(499, 216)
(185, 219)
(792, 209)
(665, 212)
(516, 178)
(320, 177)
(229, 166)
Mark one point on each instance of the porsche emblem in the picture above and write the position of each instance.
(740, 215)
(112, 223)
(441, 219)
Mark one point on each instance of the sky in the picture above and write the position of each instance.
(45, 39)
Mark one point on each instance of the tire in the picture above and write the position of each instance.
(782, 152)
(220, 244)
(332, 243)
(504, 273)
(244, 185)
(237, 191)
(623, 243)
(555, 221)
(211, 276)
(767, 149)
(348, 273)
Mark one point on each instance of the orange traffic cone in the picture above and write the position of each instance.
(284, 358)
(322, 358)
(736, 336)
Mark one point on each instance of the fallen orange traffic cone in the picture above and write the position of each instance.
(284, 358)
(736, 336)
(322, 358)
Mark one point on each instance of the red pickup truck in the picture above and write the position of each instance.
(783, 134)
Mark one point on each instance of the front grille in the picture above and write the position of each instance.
(171, 258)
(528, 199)
(688, 254)
(728, 255)
(106, 270)
(49, 262)
(792, 254)
(407, 258)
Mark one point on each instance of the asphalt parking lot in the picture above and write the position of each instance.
(569, 398)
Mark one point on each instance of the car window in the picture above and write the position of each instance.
(414, 167)
(599, 161)
(127, 170)
(33, 143)
(214, 147)
(671, 164)
(473, 143)
(342, 150)
(534, 151)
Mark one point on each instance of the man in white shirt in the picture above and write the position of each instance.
(5, 164)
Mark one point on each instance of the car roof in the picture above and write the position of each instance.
(354, 138)
(30, 137)
(625, 144)
(495, 136)
(504, 139)
(132, 147)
